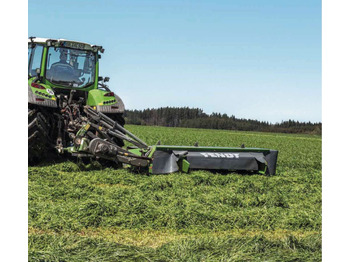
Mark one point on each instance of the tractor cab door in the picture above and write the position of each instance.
(35, 53)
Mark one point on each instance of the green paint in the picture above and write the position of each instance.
(70, 149)
(263, 172)
(136, 151)
(150, 169)
(43, 62)
(153, 149)
(96, 98)
(43, 93)
(84, 145)
(210, 149)
(185, 166)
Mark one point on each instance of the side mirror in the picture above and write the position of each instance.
(100, 78)
(106, 79)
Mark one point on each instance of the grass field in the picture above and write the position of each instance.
(94, 214)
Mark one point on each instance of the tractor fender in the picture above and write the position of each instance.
(42, 98)
(105, 104)
(117, 108)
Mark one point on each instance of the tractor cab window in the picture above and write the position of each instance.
(34, 58)
(70, 67)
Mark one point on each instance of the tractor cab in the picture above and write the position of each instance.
(63, 67)
(63, 64)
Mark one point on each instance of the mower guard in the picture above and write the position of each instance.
(169, 159)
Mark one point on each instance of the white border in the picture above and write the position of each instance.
(13, 132)
(336, 135)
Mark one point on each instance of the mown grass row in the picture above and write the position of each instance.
(199, 201)
(186, 217)
(229, 248)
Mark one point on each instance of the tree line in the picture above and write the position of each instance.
(196, 118)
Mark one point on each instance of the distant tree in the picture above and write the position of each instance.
(196, 118)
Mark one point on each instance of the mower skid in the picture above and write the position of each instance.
(169, 159)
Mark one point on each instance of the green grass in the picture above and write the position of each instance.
(96, 214)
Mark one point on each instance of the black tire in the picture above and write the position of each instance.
(38, 136)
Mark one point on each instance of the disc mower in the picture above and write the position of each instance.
(72, 111)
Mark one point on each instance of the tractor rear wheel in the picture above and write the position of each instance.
(38, 136)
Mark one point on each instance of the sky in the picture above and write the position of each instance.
(249, 58)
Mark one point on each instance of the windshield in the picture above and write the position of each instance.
(70, 67)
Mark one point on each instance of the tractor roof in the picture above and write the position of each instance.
(66, 43)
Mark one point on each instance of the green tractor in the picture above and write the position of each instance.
(72, 111)
(61, 73)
